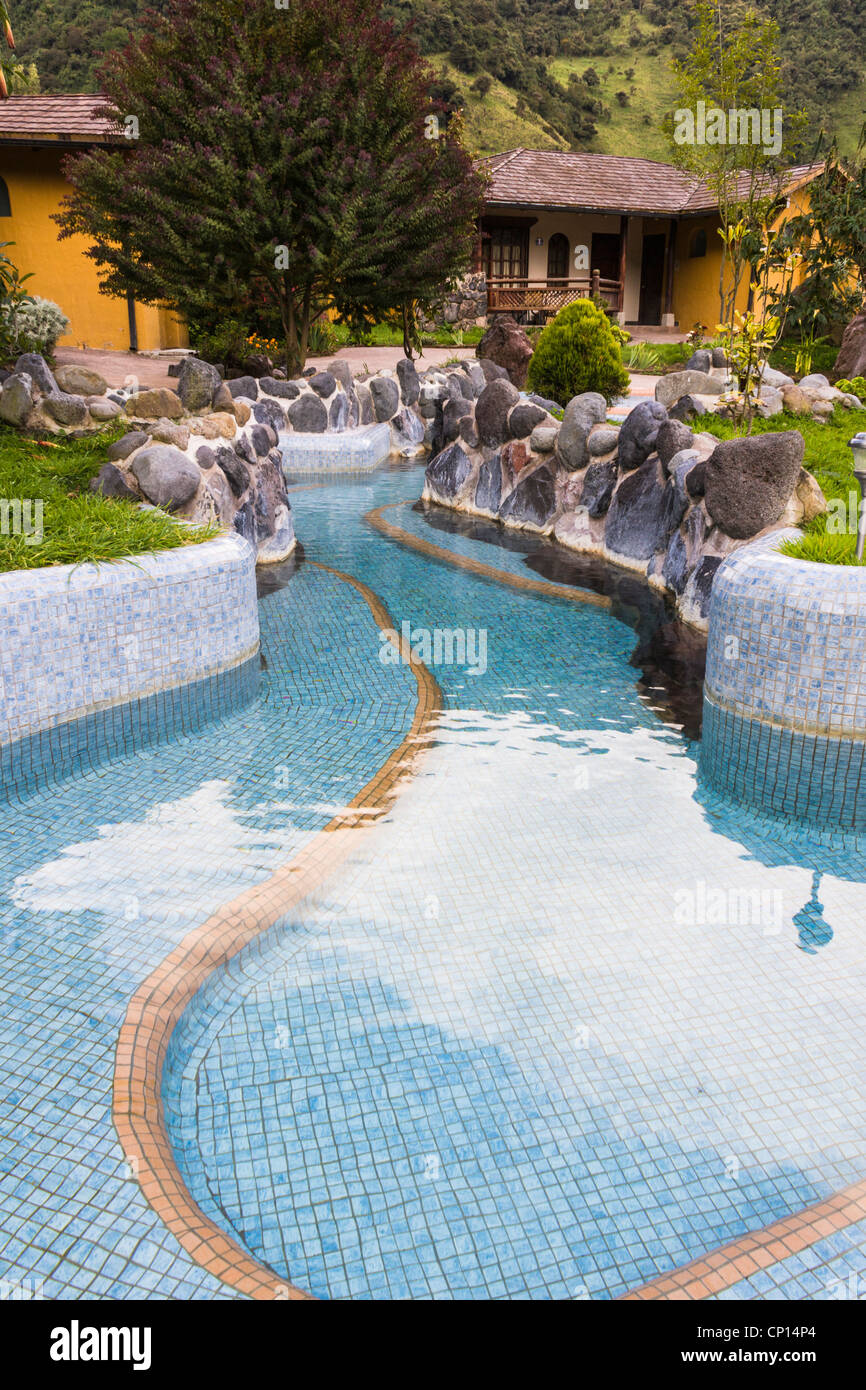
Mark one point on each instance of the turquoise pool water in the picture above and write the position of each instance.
(561, 1022)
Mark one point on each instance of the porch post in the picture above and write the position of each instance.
(668, 320)
(623, 247)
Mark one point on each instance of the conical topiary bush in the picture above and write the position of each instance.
(578, 352)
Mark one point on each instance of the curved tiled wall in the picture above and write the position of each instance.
(101, 657)
(785, 689)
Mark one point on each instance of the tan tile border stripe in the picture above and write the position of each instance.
(465, 562)
(159, 1001)
(720, 1269)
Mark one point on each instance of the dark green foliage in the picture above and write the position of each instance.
(578, 352)
(282, 169)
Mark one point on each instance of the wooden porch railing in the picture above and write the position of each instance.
(510, 294)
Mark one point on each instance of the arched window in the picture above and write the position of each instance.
(557, 257)
(698, 243)
(5, 205)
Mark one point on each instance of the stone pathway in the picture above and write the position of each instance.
(117, 367)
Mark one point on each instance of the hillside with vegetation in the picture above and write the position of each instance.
(540, 73)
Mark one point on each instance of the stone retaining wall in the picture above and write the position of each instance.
(650, 495)
(98, 659)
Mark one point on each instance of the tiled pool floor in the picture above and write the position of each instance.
(560, 1024)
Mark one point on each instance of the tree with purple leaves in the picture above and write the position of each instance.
(284, 157)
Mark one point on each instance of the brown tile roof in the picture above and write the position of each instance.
(62, 118)
(601, 182)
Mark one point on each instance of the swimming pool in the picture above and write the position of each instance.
(557, 1022)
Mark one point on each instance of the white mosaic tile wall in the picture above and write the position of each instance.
(349, 451)
(787, 640)
(80, 638)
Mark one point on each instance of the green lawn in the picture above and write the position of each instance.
(77, 524)
(831, 463)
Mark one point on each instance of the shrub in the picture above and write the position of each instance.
(578, 352)
(856, 386)
(34, 325)
(226, 342)
(322, 340)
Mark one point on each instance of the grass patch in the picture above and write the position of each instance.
(830, 462)
(823, 548)
(77, 525)
(784, 357)
(383, 335)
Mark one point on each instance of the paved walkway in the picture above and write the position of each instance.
(117, 367)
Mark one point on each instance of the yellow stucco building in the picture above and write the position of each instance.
(646, 231)
(36, 134)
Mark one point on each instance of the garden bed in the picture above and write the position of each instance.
(45, 497)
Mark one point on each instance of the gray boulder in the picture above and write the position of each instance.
(111, 482)
(770, 377)
(166, 476)
(533, 500)
(581, 413)
(638, 434)
(599, 482)
(244, 386)
(205, 457)
(489, 487)
(676, 564)
(453, 413)
(524, 418)
(65, 409)
(385, 394)
(492, 410)
(286, 390)
(602, 441)
(365, 404)
(673, 436)
(342, 370)
(719, 358)
(122, 448)
(643, 515)
(197, 384)
(700, 361)
(686, 408)
(308, 415)
(80, 381)
(338, 412)
(475, 375)
(670, 388)
(700, 584)
(323, 383)
(234, 468)
(16, 399)
(33, 364)
(263, 439)
(492, 371)
(269, 413)
(104, 409)
(448, 471)
(543, 439)
(410, 383)
(748, 481)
